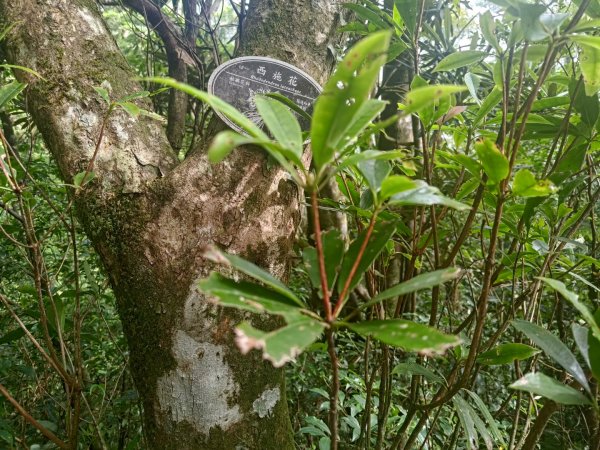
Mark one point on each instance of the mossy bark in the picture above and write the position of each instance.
(150, 216)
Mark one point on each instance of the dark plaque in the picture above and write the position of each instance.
(240, 79)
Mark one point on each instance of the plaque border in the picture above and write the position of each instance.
(220, 69)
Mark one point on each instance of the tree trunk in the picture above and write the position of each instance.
(149, 216)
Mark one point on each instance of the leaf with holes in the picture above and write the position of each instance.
(281, 345)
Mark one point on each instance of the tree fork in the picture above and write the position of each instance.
(149, 216)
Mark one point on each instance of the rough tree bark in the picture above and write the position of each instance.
(149, 216)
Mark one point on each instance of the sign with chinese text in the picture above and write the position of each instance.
(240, 79)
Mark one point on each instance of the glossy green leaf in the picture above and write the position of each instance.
(494, 163)
(573, 298)
(252, 270)
(554, 348)
(281, 122)
(365, 115)
(419, 282)
(408, 335)
(506, 354)
(423, 194)
(417, 369)
(525, 185)
(368, 15)
(382, 233)
(394, 184)
(344, 94)
(422, 97)
(249, 296)
(281, 345)
(539, 384)
(459, 59)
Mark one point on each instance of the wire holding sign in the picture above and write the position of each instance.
(239, 80)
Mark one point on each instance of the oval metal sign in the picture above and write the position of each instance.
(240, 79)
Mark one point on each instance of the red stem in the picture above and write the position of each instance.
(321, 257)
(361, 252)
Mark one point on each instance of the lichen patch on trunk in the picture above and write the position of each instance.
(197, 391)
(265, 403)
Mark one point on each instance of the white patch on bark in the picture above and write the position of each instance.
(95, 26)
(198, 389)
(264, 404)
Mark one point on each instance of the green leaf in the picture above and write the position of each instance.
(590, 41)
(290, 104)
(487, 416)
(594, 349)
(365, 115)
(408, 11)
(419, 282)
(252, 270)
(417, 369)
(382, 233)
(281, 122)
(488, 29)
(282, 345)
(423, 194)
(589, 61)
(422, 97)
(249, 296)
(487, 105)
(466, 420)
(573, 298)
(333, 252)
(374, 171)
(459, 59)
(506, 354)
(554, 348)
(130, 108)
(494, 163)
(581, 336)
(525, 185)
(83, 178)
(10, 91)
(394, 184)
(408, 335)
(102, 93)
(539, 384)
(355, 158)
(214, 102)
(344, 94)
(12, 336)
(224, 143)
(472, 82)
(367, 14)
